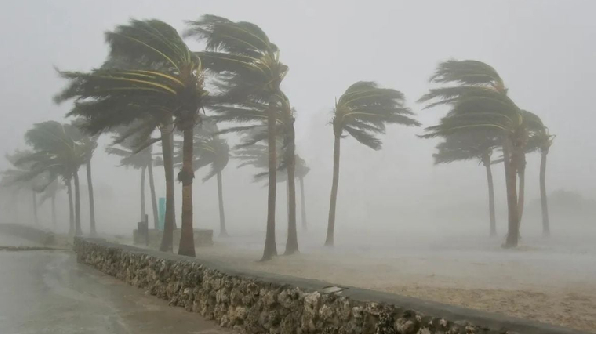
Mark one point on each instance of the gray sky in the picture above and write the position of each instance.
(544, 50)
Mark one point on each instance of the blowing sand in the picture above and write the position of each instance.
(542, 280)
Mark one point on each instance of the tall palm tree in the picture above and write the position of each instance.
(252, 152)
(150, 70)
(533, 125)
(537, 138)
(363, 112)
(248, 70)
(88, 145)
(543, 140)
(479, 100)
(285, 141)
(476, 145)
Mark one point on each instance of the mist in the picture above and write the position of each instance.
(393, 203)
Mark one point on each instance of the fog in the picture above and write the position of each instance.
(394, 198)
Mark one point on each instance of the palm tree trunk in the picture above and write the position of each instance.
(53, 205)
(506, 156)
(521, 174)
(153, 195)
(270, 243)
(334, 188)
(545, 216)
(71, 216)
(78, 231)
(302, 205)
(143, 194)
(223, 230)
(35, 213)
(292, 234)
(186, 176)
(166, 244)
(512, 238)
(173, 161)
(492, 208)
(91, 196)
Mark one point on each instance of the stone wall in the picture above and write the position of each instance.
(38, 235)
(202, 237)
(256, 302)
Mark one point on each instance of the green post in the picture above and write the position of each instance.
(162, 209)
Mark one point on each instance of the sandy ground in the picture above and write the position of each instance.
(551, 281)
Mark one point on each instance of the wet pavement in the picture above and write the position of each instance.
(49, 292)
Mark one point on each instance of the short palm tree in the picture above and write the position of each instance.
(479, 101)
(150, 70)
(247, 69)
(363, 112)
(477, 145)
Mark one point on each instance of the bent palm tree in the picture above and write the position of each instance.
(533, 125)
(23, 176)
(479, 101)
(88, 145)
(543, 141)
(251, 152)
(477, 145)
(248, 70)
(57, 152)
(363, 112)
(149, 70)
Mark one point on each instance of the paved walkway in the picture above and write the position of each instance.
(49, 292)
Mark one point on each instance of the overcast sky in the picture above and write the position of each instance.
(544, 50)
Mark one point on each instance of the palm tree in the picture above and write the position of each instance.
(247, 69)
(533, 125)
(478, 145)
(285, 141)
(58, 152)
(88, 145)
(135, 152)
(22, 176)
(536, 140)
(543, 140)
(479, 101)
(150, 70)
(363, 112)
(252, 152)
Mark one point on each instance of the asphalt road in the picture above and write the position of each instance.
(49, 292)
